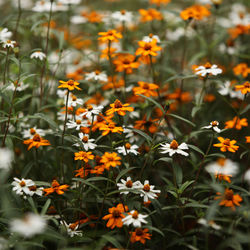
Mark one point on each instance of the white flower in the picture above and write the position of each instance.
(247, 176)
(210, 223)
(239, 15)
(77, 124)
(122, 16)
(73, 101)
(226, 89)
(132, 137)
(6, 157)
(29, 133)
(134, 218)
(92, 111)
(29, 226)
(78, 19)
(128, 148)
(45, 5)
(214, 125)
(223, 166)
(71, 229)
(5, 35)
(150, 38)
(61, 93)
(38, 54)
(9, 44)
(97, 76)
(21, 187)
(208, 69)
(20, 86)
(147, 191)
(173, 148)
(86, 142)
(72, 2)
(128, 184)
(36, 190)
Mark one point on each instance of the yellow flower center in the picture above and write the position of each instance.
(127, 145)
(36, 137)
(146, 188)
(229, 195)
(70, 82)
(227, 142)
(89, 107)
(215, 123)
(74, 98)
(147, 46)
(221, 161)
(116, 213)
(174, 144)
(118, 104)
(138, 231)
(22, 184)
(85, 139)
(32, 131)
(129, 184)
(135, 215)
(123, 12)
(78, 122)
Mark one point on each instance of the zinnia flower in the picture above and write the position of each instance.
(140, 235)
(226, 145)
(56, 187)
(110, 160)
(119, 108)
(36, 141)
(244, 88)
(174, 148)
(70, 85)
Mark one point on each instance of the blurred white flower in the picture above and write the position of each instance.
(9, 44)
(72, 2)
(128, 148)
(61, 93)
(208, 69)
(147, 191)
(5, 35)
(20, 86)
(92, 110)
(38, 54)
(174, 148)
(150, 38)
(97, 76)
(239, 15)
(122, 16)
(45, 5)
(210, 223)
(28, 226)
(134, 218)
(128, 184)
(73, 101)
(78, 19)
(226, 89)
(214, 125)
(77, 124)
(6, 157)
(247, 176)
(223, 166)
(29, 133)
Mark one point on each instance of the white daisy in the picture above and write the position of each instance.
(61, 93)
(247, 176)
(210, 223)
(122, 16)
(96, 76)
(29, 133)
(72, 2)
(223, 166)
(21, 187)
(9, 44)
(226, 89)
(92, 111)
(29, 226)
(130, 135)
(74, 101)
(77, 124)
(147, 191)
(6, 157)
(78, 19)
(71, 229)
(150, 38)
(135, 219)
(20, 86)
(173, 148)
(208, 69)
(214, 125)
(128, 184)
(128, 148)
(5, 35)
(86, 142)
(38, 54)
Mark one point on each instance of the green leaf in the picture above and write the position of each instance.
(89, 184)
(156, 230)
(155, 102)
(196, 149)
(184, 186)
(123, 172)
(45, 207)
(112, 240)
(182, 119)
(245, 109)
(45, 118)
(143, 134)
(33, 206)
(165, 159)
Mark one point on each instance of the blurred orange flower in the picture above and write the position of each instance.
(236, 123)
(147, 89)
(55, 187)
(241, 69)
(110, 35)
(150, 14)
(125, 62)
(197, 12)
(244, 88)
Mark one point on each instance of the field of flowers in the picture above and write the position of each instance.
(124, 124)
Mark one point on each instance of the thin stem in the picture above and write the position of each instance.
(18, 19)
(66, 116)
(46, 53)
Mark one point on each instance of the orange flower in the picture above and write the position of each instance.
(108, 51)
(147, 48)
(147, 125)
(236, 123)
(224, 177)
(113, 83)
(241, 69)
(197, 12)
(110, 128)
(159, 2)
(150, 14)
(70, 85)
(83, 156)
(110, 35)
(36, 141)
(244, 88)
(140, 235)
(76, 75)
(239, 30)
(55, 187)
(84, 171)
(110, 160)
(93, 16)
(147, 89)
(125, 62)
(115, 216)
(228, 199)
(226, 145)
(119, 108)
(180, 96)
(247, 139)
